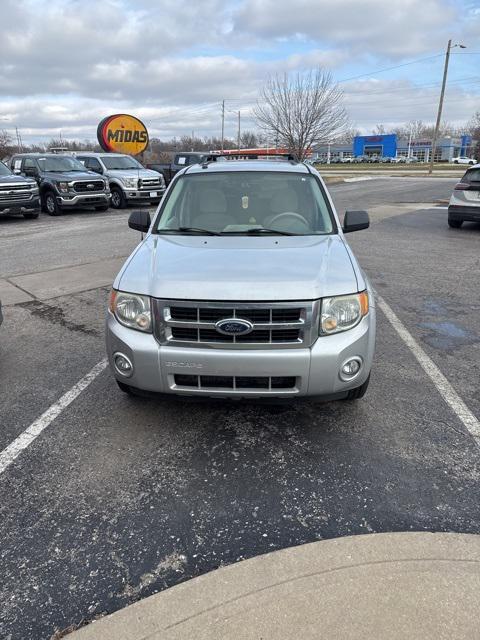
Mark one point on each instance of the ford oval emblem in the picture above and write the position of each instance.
(234, 327)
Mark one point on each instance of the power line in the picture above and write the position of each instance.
(398, 66)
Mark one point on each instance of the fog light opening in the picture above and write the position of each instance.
(350, 368)
(123, 365)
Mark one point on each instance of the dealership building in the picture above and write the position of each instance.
(390, 146)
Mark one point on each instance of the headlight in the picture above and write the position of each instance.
(342, 312)
(131, 183)
(62, 186)
(131, 310)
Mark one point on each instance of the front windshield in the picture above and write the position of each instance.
(3, 170)
(60, 164)
(121, 162)
(246, 203)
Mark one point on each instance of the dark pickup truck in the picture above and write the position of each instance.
(18, 195)
(180, 161)
(63, 181)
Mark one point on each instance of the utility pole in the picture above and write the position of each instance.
(440, 102)
(223, 121)
(238, 137)
(19, 144)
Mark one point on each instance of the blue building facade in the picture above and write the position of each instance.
(381, 145)
(390, 146)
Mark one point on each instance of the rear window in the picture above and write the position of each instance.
(473, 175)
(242, 202)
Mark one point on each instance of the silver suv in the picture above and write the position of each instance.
(244, 286)
(129, 180)
(465, 201)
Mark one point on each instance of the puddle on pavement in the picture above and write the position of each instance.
(447, 335)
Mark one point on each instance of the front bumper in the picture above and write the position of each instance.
(315, 369)
(144, 195)
(19, 206)
(83, 200)
(464, 212)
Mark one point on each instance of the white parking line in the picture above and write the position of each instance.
(443, 386)
(8, 455)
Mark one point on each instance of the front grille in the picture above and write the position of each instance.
(25, 195)
(275, 324)
(84, 186)
(17, 187)
(150, 183)
(245, 383)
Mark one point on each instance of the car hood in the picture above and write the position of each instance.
(240, 268)
(13, 179)
(69, 176)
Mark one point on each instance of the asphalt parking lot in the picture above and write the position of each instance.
(119, 498)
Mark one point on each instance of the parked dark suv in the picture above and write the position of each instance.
(63, 181)
(18, 195)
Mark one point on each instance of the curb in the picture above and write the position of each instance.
(377, 586)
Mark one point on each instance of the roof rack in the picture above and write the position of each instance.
(214, 157)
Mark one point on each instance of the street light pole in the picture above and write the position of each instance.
(238, 138)
(440, 103)
(223, 121)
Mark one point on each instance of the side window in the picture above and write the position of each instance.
(84, 161)
(17, 165)
(94, 165)
(181, 160)
(29, 163)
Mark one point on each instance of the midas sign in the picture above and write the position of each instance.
(123, 134)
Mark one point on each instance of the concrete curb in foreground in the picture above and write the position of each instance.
(379, 586)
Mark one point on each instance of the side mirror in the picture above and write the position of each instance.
(97, 170)
(355, 221)
(140, 221)
(31, 171)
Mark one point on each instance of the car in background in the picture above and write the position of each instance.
(463, 160)
(18, 195)
(63, 181)
(464, 204)
(128, 180)
(180, 161)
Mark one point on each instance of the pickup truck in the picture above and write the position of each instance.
(18, 195)
(129, 181)
(244, 286)
(64, 182)
(180, 161)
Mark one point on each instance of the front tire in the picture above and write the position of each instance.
(454, 223)
(50, 203)
(359, 392)
(118, 199)
(30, 216)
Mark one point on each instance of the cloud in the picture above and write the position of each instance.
(65, 64)
(394, 28)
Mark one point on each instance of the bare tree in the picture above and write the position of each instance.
(301, 110)
(6, 144)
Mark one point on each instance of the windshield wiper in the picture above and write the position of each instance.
(190, 230)
(260, 230)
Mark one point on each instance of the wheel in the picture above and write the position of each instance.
(51, 204)
(118, 199)
(102, 207)
(454, 223)
(30, 216)
(359, 392)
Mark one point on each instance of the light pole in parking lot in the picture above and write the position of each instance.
(440, 102)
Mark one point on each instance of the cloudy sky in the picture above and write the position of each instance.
(65, 64)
